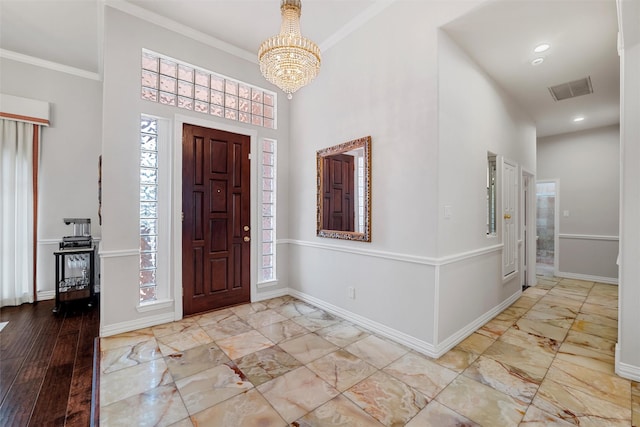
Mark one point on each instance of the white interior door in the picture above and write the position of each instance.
(509, 204)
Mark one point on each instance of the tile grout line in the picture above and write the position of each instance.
(579, 311)
(479, 355)
(555, 352)
(408, 351)
(498, 338)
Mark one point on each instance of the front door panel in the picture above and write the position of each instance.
(215, 228)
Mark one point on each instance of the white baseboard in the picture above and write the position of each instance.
(264, 295)
(625, 370)
(132, 325)
(162, 304)
(46, 295)
(469, 329)
(588, 278)
(378, 328)
(420, 346)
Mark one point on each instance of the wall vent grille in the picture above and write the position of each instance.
(571, 89)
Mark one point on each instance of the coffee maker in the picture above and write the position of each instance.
(81, 237)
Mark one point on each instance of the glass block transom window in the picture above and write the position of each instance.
(268, 184)
(172, 82)
(148, 208)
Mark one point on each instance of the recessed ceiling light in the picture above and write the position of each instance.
(541, 47)
(537, 61)
(578, 119)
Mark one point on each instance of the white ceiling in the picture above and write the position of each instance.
(499, 34)
(65, 32)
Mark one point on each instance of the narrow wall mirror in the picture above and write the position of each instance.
(344, 190)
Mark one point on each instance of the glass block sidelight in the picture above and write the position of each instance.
(175, 83)
(149, 159)
(148, 175)
(148, 208)
(268, 220)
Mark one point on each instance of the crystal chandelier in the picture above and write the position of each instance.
(289, 60)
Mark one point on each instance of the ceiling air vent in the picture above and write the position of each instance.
(571, 89)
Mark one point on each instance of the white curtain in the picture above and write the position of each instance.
(16, 213)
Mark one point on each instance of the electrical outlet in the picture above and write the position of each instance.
(351, 292)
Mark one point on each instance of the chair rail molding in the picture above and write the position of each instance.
(588, 237)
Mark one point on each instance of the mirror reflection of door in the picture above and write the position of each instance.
(344, 190)
(338, 195)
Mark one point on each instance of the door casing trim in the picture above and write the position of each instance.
(530, 218)
(556, 225)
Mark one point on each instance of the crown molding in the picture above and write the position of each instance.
(355, 23)
(55, 66)
(184, 30)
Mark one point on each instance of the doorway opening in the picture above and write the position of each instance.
(546, 227)
(528, 247)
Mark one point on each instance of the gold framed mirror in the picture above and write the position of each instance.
(344, 191)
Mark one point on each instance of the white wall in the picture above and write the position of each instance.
(374, 82)
(125, 36)
(628, 349)
(68, 175)
(385, 80)
(587, 165)
(476, 117)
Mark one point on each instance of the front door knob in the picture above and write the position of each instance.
(247, 238)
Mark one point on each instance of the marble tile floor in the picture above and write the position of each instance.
(547, 360)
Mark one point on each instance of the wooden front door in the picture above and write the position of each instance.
(215, 228)
(338, 195)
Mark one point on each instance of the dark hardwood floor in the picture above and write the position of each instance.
(46, 365)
